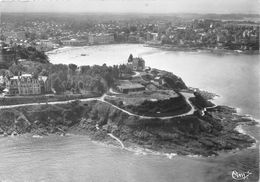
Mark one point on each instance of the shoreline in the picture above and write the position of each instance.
(136, 149)
(203, 50)
(167, 48)
(101, 132)
(211, 140)
(85, 126)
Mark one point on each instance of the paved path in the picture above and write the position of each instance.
(113, 92)
(45, 103)
(186, 95)
(102, 99)
(117, 139)
(137, 74)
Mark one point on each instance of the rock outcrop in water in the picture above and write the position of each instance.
(193, 134)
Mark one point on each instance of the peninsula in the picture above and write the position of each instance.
(130, 105)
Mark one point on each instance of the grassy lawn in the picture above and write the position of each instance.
(157, 104)
(137, 98)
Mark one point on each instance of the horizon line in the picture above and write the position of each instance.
(145, 13)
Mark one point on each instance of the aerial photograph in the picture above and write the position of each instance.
(129, 90)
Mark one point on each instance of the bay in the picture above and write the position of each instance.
(76, 158)
(234, 77)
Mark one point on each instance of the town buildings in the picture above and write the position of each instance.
(45, 45)
(101, 38)
(152, 37)
(73, 42)
(184, 33)
(16, 35)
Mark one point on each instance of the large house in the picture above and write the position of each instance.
(27, 85)
(101, 38)
(132, 87)
(73, 42)
(45, 45)
(136, 64)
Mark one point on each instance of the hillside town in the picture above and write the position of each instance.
(45, 34)
(30, 38)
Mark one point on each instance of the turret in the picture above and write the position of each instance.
(130, 59)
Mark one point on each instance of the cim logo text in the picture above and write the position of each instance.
(240, 175)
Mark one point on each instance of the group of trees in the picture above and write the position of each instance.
(91, 78)
(31, 53)
(69, 77)
(17, 68)
(16, 52)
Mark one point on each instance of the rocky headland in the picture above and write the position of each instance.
(196, 134)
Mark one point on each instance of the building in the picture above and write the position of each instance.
(101, 38)
(162, 27)
(45, 45)
(27, 85)
(158, 81)
(19, 35)
(134, 38)
(12, 86)
(136, 64)
(130, 87)
(2, 80)
(73, 42)
(152, 36)
(45, 84)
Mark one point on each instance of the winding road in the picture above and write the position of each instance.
(102, 99)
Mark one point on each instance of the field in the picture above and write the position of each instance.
(137, 98)
(149, 103)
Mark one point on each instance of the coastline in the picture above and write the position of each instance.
(137, 149)
(88, 126)
(214, 98)
(202, 50)
(55, 50)
(167, 48)
(98, 136)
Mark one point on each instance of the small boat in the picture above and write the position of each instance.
(83, 54)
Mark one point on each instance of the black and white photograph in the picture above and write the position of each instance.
(129, 90)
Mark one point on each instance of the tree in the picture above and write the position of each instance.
(44, 72)
(54, 68)
(35, 75)
(68, 85)
(84, 69)
(81, 85)
(133, 28)
(109, 79)
(16, 69)
(73, 67)
(39, 69)
(130, 59)
(62, 76)
(58, 86)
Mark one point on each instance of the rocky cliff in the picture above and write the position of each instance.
(194, 134)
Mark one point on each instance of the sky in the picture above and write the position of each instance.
(133, 6)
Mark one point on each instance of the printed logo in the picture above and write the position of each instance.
(240, 175)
